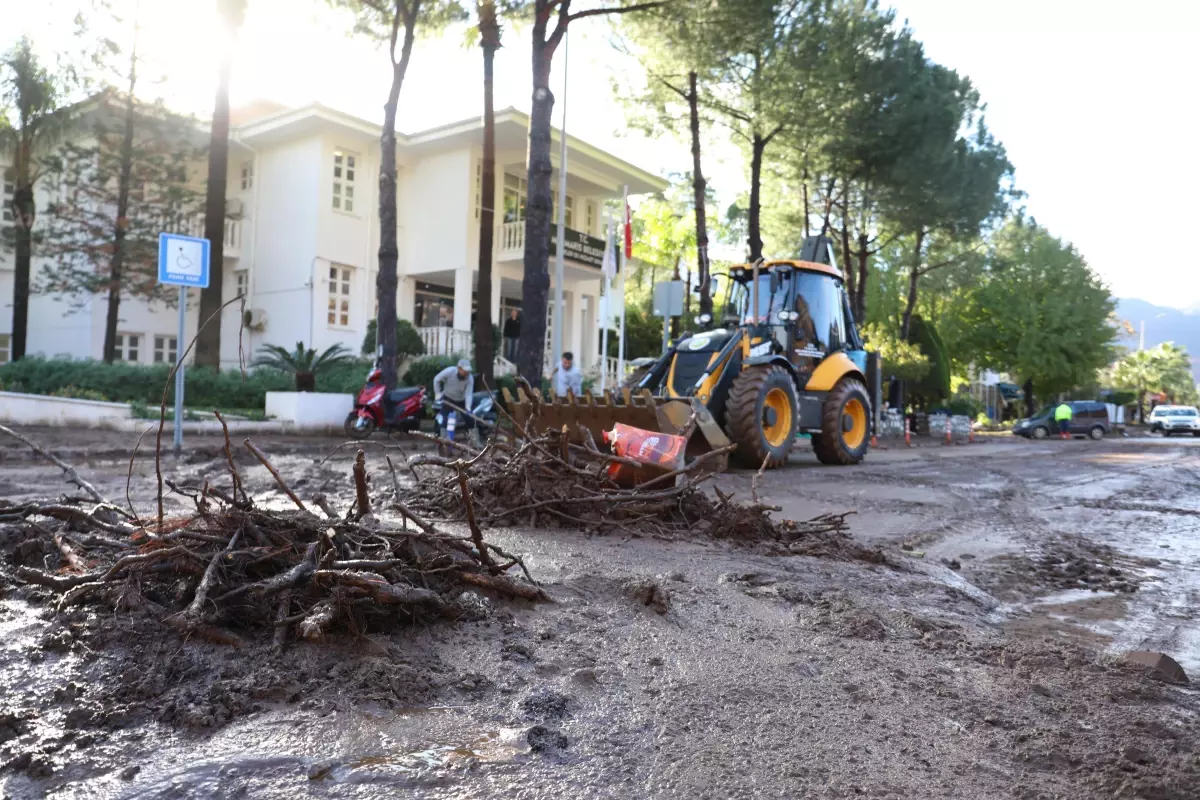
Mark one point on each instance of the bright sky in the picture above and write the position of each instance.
(1094, 100)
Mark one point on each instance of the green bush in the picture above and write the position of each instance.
(143, 384)
(408, 341)
(422, 371)
(78, 394)
(935, 386)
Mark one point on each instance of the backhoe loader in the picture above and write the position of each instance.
(784, 357)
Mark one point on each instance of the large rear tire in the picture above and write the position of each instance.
(761, 415)
(845, 425)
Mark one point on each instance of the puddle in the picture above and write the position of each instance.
(497, 745)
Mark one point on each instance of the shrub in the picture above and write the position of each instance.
(408, 341)
(77, 393)
(935, 385)
(141, 383)
(305, 364)
(422, 371)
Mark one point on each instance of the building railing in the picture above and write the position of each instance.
(194, 226)
(510, 243)
(441, 341)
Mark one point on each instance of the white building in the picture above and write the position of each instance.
(302, 238)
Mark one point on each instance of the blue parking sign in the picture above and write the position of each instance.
(182, 260)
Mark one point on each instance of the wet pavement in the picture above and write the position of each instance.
(980, 662)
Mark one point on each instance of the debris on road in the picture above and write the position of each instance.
(232, 566)
(544, 480)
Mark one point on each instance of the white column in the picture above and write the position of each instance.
(573, 327)
(406, 296)
(497, 278)
(590, 331)
(462, 298)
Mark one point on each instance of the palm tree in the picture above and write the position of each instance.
(303, 362)
(1139, 372)
(208, 341)
(33, 95)
(485, 347)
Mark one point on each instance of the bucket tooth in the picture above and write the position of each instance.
(627, 396)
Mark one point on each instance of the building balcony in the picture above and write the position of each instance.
(582, 250)
(232, 246)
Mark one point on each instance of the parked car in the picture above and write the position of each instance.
(1170, 420)
(1090, 419)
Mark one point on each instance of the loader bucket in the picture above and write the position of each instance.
(600, 413)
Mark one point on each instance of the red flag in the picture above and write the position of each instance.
(628, 233)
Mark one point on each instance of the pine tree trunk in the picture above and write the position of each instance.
(910, 304)
(756, 158)
(485, 348)
(699, 186)
(24, 210)
(860, 299)
(117, 262)
(208, 340)
(535, 284)
(848, 269)
(389, 248)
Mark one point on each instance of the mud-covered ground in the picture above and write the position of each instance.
(980, 662)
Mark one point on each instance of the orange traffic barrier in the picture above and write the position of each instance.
(907, 434)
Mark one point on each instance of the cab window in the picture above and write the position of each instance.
(821, 309)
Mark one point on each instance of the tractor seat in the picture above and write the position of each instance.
(400, 395)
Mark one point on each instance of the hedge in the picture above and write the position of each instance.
(140, 383)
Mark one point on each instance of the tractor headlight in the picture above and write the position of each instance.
(704, 319)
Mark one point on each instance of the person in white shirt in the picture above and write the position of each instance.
(567, 377)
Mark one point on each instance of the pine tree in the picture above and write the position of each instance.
(114, 192)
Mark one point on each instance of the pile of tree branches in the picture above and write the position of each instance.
(545, 480)
(231, 567)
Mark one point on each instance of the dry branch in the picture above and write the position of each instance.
(246, 568)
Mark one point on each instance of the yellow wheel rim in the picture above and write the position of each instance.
(856, 413)
(778, 431)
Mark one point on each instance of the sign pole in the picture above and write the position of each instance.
(621, 286)
(182, 261)
(179, 370)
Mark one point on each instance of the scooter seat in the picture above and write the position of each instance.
(400, 395)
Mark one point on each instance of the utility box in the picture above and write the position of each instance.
(668, 299)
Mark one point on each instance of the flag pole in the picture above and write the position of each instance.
(556, 335)
(621, 283)
(605, 303)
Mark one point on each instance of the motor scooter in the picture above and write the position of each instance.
(450, 421)
(401, 410)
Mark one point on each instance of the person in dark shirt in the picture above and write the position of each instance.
(512, 334)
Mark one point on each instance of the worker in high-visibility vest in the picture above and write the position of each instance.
(1062, 415)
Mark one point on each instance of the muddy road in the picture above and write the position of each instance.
(981, 661)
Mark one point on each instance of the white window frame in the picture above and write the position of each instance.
(341, 296)
(166, 349)
(129, 347)
(345, 175)
(478, 188)
(5, 347)
(241, 283)
(517, 187)
(554, 209)
(9, 188)
(247, 173)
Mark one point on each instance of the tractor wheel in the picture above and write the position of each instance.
(845, 425)
(761, 415)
